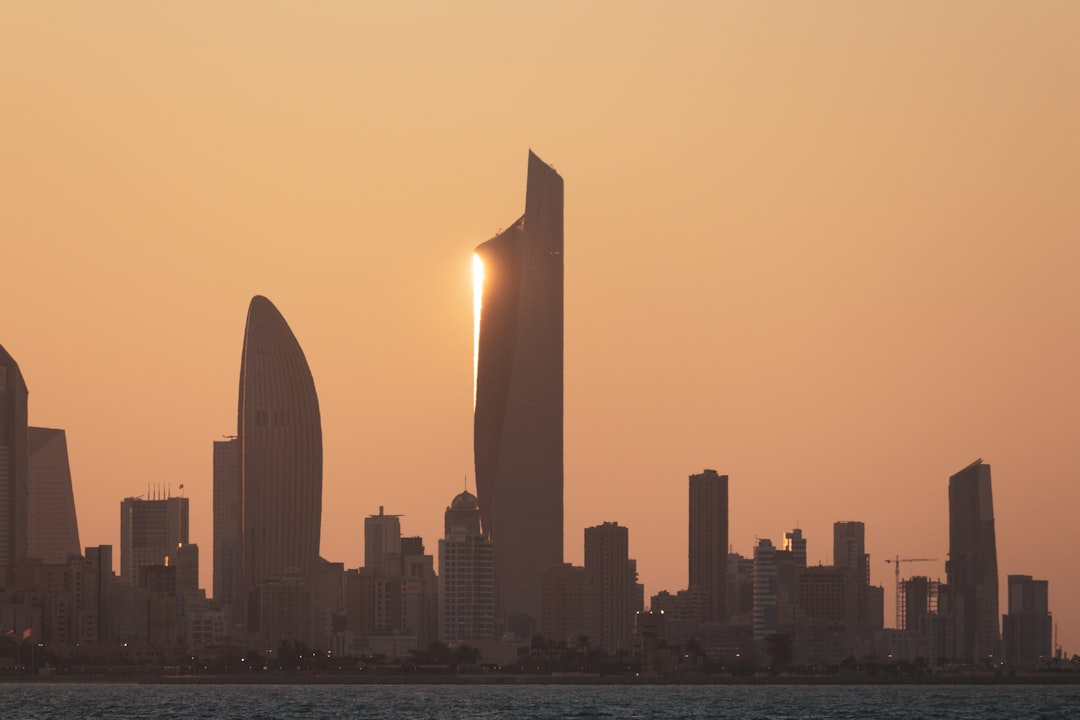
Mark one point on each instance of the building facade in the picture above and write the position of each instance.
(279, 428)
(518, 421)
(1027, 631)
(611, 585)
(53, 530)
(151, 534)
(228, 523)
(466, 575)
(971, 570)
(708, 546)
(14, 461)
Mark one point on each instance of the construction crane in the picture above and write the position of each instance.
(896, 561)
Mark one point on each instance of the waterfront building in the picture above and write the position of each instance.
(14, 461)
(228, 524)
(566, 604)
(279, 428)
(1027, 631)
(971, 569)
(608, 571)
(52, 528)
(765, 590)
(518, 421)
(382, 542)
(466, 575)
(708, 545)
(151, 532)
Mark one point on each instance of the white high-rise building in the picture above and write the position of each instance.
(466, 575)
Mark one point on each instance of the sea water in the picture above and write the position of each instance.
(70, 701)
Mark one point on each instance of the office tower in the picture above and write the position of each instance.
(96, 616)
(1027, 631)
(185, 558)
(228, 523)
(53, 531)
(466, 575)
(566, 601)
(740, 590)
(795, 543)
(14, 470)
(849, 555)
(280, 434)
(285, 608)
(709, 541)
(419, 593)
(151, 531)
(607, 568)
(971, 570)
(382, 542)
(765, 589)
(518, 421)
(849, 549)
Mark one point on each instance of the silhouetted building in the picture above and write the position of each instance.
(795, 543)
(53, 530)
(466, 575)
(972, 566)
(228, 525)
(849, 549)
(151, 531)
(828, 598)
(382, 542)
(567, 604)
(285, 611)
(420, 593)
(740, 590)
(708, 546)
(518, 423)
(280, 432)
(919, 603)
(607, 567)
(765, 589)
(850, 556)
(1027, 631)
(14, 460)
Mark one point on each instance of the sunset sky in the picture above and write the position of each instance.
(829, 249)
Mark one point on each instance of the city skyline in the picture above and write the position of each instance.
(829, 253)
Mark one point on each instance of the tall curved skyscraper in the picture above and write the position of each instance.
(518, 421)
(14, 465)
(280, 434)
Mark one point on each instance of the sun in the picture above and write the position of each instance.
(478, 301)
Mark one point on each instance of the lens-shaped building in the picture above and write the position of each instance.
(280, 434)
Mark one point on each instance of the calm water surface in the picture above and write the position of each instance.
(161, 702)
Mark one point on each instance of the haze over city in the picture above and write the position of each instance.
(831, 253)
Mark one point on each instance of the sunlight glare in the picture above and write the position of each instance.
(478, 301)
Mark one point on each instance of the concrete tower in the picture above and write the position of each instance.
(466, 575)
(972, 566)
(518, 422)
(280, 433)
(53, 530)
(708, 546)
(228, 524)
(14, 461)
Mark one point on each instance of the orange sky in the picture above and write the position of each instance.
(831, 250)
